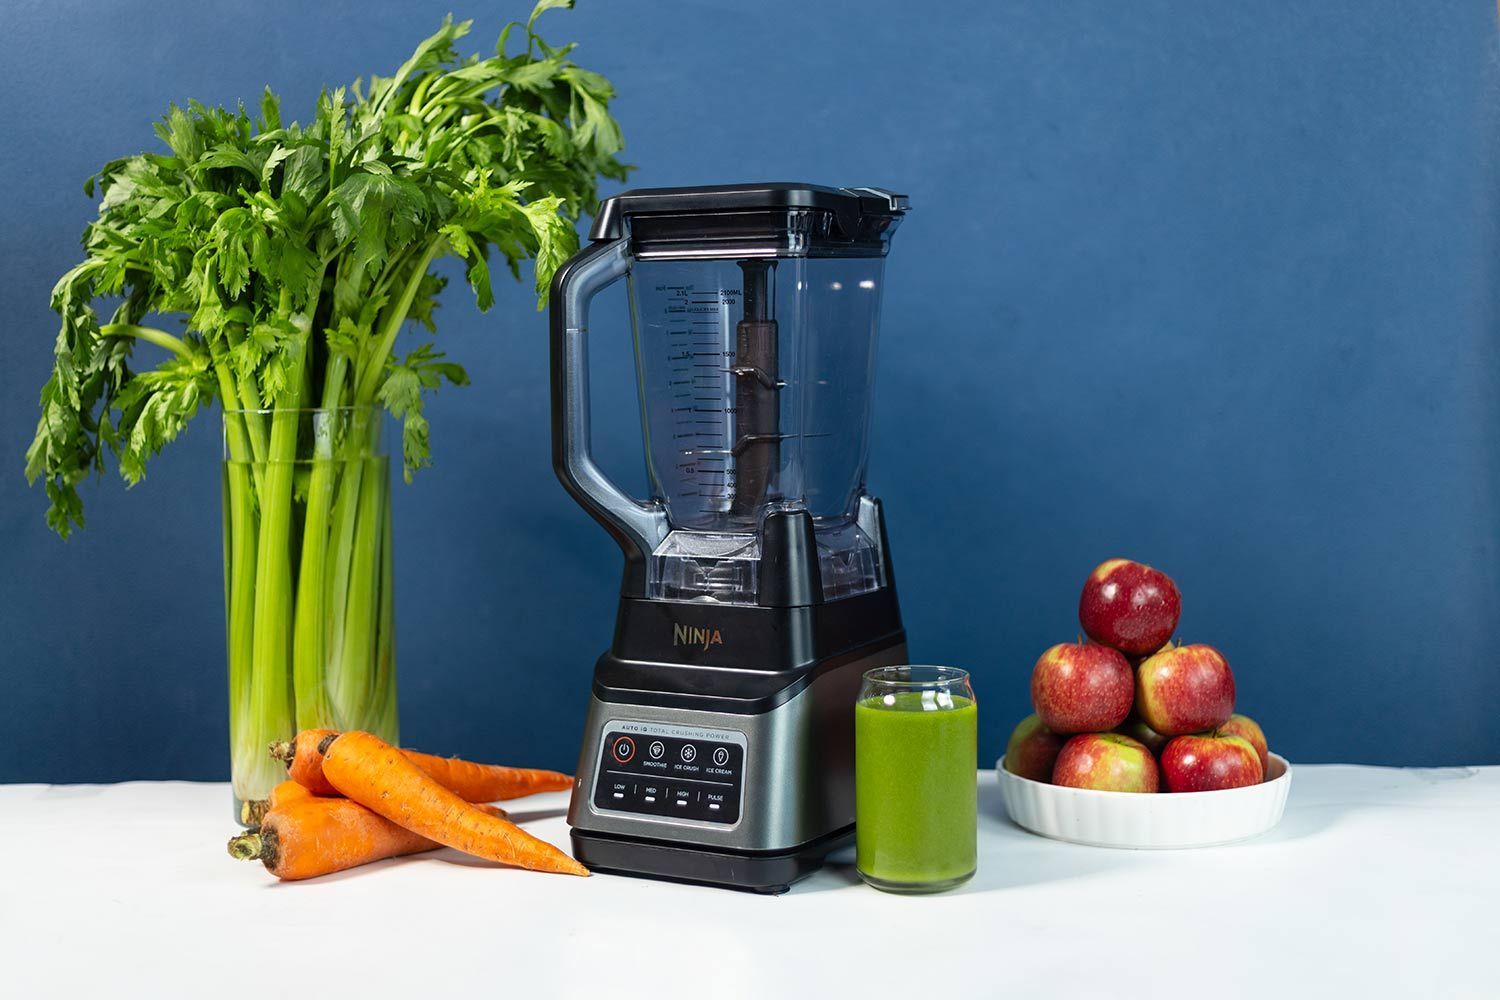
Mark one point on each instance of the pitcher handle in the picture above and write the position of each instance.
(637, 525)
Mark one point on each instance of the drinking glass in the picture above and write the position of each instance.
(916, 796)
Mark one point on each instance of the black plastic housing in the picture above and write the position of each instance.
(767, 655)
(775, 218)
(765, 872)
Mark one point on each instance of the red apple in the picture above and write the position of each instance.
(1249, 730)
(1142, 733)
(1207, 762)
(1130, 606)
(1106, 762)
(1032, 750)
(1184, 689)
(1082, 687)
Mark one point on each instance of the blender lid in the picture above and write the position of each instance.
(777, 219)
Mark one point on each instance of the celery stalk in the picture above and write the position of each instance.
(309, 640)
(272, 713)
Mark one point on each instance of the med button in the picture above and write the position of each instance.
(624, 749)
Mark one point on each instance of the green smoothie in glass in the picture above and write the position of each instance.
(916, 808)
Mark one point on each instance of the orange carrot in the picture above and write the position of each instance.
(377, 775)
(468, 780)
(253, 812)
(303, 836)
(488, 782)
(286, 793)
(304, 761)
(318, 836)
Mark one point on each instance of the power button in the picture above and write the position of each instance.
(624, 749)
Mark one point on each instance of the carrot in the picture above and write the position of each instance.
(288, 792)
(376, 774)
(253, 812)
(304, 836)
(488, 782)
(470, 781)
(304, 761)
(318, 836)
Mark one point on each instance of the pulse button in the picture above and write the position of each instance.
(624, 749)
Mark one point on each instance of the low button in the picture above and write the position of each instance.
(624, 749)
(721, 756)
(689, 753)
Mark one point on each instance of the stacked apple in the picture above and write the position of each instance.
(1129, 711)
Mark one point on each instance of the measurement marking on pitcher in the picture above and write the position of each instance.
(701, 356)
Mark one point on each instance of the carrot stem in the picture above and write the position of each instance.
(245, 847)
(253, 811)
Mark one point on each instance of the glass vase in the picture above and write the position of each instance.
(309, 606)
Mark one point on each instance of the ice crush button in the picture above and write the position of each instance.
(624, 749)
(689, 752)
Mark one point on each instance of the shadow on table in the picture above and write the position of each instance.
(441, 856)
(445, 855)
(1009, 857)
(1307, 821)
(1012, 857)
(519, 816)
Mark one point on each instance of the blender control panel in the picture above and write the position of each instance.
(670, 772)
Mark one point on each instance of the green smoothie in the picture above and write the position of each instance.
(916, 805)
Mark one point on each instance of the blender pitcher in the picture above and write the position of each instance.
(755, 332)
(758, 587)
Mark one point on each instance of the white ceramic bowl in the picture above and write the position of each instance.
(1144, 822)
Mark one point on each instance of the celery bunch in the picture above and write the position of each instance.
(292, 256)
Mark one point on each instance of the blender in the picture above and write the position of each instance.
(757, 587)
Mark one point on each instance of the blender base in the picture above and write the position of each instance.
(765, 872)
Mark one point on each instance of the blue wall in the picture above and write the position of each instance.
(1212, 286)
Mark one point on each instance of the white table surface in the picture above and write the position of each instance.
(1379, 882)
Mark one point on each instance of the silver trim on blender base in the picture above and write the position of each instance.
(798, 782)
